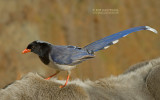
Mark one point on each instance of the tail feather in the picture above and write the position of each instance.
(112, 39)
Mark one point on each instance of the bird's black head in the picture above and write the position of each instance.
(40, 48)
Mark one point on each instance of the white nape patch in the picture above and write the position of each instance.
(125, 35)
(39, 41)
(114, 42)
(106, 47)
(151, 29)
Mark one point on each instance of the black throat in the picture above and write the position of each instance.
(44, 56)
(45, 60)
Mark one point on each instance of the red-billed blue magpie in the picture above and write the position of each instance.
(65, 58)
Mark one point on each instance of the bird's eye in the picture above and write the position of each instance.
(33, 47)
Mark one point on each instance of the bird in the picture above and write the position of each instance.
(65, 58)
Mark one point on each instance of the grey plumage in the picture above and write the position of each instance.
(69, 55)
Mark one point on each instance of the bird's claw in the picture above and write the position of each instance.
(62, 86)
(46, 78)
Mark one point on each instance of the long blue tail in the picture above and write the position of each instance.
(112, 39)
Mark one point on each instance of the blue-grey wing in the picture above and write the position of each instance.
(69, 55)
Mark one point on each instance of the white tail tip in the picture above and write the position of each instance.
(151, 29)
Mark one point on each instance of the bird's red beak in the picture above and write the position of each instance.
(26, 51)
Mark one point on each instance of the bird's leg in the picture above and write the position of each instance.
(52, 75)
(66, 80)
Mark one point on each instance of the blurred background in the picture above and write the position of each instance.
(76, 22)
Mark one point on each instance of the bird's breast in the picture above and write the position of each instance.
(60, 67)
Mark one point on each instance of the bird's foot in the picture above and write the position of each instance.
(47, 78)
(52, 75)
(62, 86)
(65, 83)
